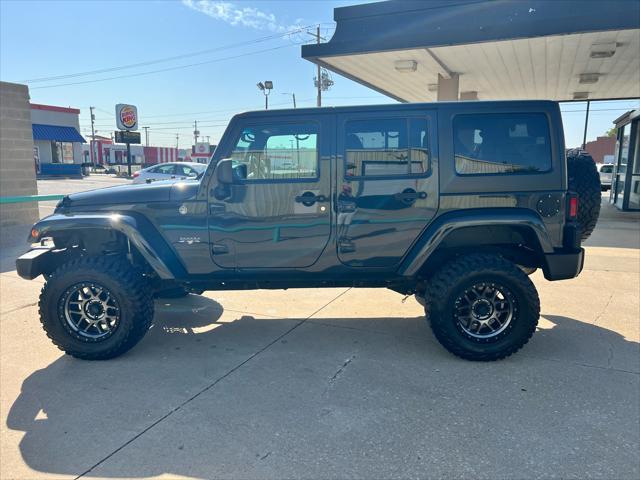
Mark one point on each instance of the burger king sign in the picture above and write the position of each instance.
(126, 117)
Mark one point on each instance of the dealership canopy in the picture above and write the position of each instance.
(416, 51)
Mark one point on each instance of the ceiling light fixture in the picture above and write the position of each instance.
(603, 50)
(589, 77)
(580, 95)
(406, 65)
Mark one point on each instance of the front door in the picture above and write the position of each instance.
(277, 213)
(387, 185)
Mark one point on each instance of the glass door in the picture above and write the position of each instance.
(620, 172)
(634, 165)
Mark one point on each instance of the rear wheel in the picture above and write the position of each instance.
(96, 308)
(482, 307)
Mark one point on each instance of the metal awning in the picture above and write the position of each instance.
(420, 51)
(56, 133)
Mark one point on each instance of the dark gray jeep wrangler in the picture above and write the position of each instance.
(452, 202)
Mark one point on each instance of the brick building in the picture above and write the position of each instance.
(602, 147)
(17, 170)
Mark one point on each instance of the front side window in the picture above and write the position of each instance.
(386, 147)
(508, 143)
(277, 152)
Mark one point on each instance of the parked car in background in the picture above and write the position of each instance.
(169, 171)
(605, 170)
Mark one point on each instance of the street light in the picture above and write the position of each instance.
(265, 88)
(294, 98)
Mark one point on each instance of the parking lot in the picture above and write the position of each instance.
(331, 383)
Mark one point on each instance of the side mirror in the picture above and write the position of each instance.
(224, 171)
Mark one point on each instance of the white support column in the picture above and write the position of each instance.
(448, 87)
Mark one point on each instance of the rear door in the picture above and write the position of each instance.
(164, 172)
(387, 184)
(278, 214)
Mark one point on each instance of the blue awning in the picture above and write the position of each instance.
(56, 133)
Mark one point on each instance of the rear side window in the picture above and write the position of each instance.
(506, 143)
(165, 169)
(388, 147)
(277, 152)
(606, 169)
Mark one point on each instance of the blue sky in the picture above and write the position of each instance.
(69, 37)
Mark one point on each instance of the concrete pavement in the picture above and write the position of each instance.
(333, 383)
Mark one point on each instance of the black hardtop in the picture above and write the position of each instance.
(524, 105)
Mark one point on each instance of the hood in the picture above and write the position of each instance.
(163, 191)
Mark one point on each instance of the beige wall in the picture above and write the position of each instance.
(17, 172)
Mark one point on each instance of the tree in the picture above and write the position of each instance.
(611, 132)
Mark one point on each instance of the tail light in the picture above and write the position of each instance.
(136, 174)
(573, 206)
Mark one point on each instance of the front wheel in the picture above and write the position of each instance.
(96, 308)
(482, 307)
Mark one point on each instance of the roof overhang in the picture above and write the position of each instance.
(56, 133)
(503, 50)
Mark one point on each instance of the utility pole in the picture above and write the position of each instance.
(196, 133)
(293, 95)
(319, 101)
(319, 82)
(93, 135)
(146, 136)
(586, 125)
(177, 140)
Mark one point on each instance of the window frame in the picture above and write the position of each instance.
(407, 119)
(503, 174)
(242, 126)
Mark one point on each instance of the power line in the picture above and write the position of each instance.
(166, 59)
(168, 69)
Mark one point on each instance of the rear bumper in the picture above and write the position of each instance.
(563, 264)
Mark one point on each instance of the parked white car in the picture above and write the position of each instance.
(605, 170)
(169, 171)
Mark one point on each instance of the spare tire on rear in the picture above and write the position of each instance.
(585, 181)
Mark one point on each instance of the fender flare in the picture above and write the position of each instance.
(137, 229)
(439, 229)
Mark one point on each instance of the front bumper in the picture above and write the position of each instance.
(563, 264)
(34, 262)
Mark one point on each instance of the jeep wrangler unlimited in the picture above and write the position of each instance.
(451, 202)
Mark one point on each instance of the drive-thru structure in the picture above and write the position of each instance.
(416, 51)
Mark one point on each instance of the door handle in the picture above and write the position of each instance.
(409, 196)
(309, 198)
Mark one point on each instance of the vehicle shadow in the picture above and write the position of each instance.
(75, 413)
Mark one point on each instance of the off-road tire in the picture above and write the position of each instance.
(124, 282)
(585, 181)
(455, 277)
